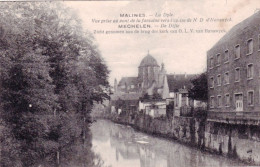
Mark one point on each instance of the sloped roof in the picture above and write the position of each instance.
(125, 96)
(148, 61)
(178, 81)
(252, 21)
(128, 81)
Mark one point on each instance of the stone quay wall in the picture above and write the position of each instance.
(241, 142)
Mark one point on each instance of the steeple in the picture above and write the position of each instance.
(162, 67)
(166, 91)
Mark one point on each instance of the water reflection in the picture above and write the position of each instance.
(120, 145)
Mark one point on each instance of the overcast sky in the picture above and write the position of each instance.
(181, 53)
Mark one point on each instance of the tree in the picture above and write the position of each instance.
(199, 91)
(51, 74)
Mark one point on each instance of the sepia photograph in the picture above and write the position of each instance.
(171, 83)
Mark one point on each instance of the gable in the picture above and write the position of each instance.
(178, 81)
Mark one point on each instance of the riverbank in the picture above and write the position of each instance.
(193, 132)
(121, 145)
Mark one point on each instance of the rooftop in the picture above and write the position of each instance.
(252, 21)
(148, 61)
(178, 81)
(128, 81)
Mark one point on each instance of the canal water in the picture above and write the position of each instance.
(122, 146)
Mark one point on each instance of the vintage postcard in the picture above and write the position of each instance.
(130, 83)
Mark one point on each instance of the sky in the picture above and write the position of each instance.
(181, 53)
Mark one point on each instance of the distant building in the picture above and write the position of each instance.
(124, 102)
(154, 88)
(233, 66)
(149, 75)
(153, 107)
(179, 84)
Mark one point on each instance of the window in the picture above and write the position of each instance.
(211, 82)
(212, 102)
(226, 56)
(250, 71)
(218, 59)
(219, 102)
(227, 100)
(219, 80)
(237, 52)
(250, 46)
(239, 101)
(226, 78)
(250, 98)
(237, 74)
(211, 62)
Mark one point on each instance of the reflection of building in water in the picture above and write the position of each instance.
(127, 146)
(147, 157)
(130, 145)
(121, 140)
(151, 152)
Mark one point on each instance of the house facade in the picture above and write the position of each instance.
(153, 107)
(233, 66)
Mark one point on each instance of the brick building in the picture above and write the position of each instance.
(233, 66)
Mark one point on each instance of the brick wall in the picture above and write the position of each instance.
(240, 37)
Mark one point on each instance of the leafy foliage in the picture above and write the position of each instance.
(199, 91)
(51, 75)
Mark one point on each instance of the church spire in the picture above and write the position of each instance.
(166, 91)
(162, 66)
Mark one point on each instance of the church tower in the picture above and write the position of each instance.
(148, 71)
(165, 91)
(162, 74)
